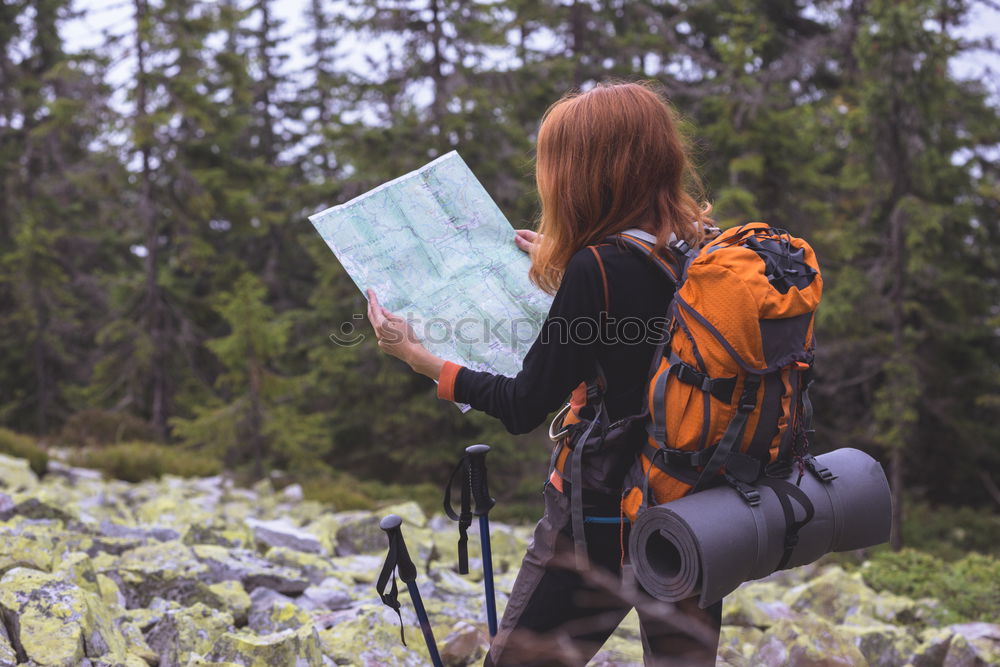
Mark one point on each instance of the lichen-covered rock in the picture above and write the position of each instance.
(756, 604)
(76, 567)
(361, 569)
(248, 568)
(359, 533)
(832, 595)
(737, 643)
(316, 568)
(55, 622)
(299, 647)
(882, 644)
(167, 570)
(272, 612)
(230, 596)
(973, 644)
(8, 656)
(223, 536)
(410, 512)
(807, 642)
(371, 637)
(282, 533)
(185, 632)
(16, 474)
(22, 546)
(331, 594)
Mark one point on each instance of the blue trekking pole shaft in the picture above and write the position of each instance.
(425, 623)
(481, 495)
(399, 558)
(491, 603)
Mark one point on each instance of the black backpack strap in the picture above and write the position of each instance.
(464, 517)
(785, 491)
(730, 443)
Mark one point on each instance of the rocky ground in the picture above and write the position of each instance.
(198, 572)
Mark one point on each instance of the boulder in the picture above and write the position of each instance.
(230, 596)
(282, 533)
(22, 546)
(55, 622)
(299, 647)
(167, 570)
(16, 474)
(463, 645)
(330, 594)
(807, 642)
(973, 644)
(756, 604)
(273, 612)
(359, 533)
(185, 632)
(410, 512)
(314, 567)
(248, 568)
(882, 644)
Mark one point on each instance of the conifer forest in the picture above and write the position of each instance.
(161, 288)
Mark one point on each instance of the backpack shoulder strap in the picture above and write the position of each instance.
(644, 242)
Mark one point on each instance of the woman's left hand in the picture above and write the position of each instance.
(397, 338)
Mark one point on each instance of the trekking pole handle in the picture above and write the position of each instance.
(392, 525)
(477, 473)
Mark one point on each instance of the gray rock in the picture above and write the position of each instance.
(158, 533)
(974, 644)
(271, 611)
(359, 533)
(248, 568)
(331, 594)
(281, 533)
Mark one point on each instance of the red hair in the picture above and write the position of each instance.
(607, 160)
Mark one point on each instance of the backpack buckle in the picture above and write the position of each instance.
(749, 494)
(818, 469)
(678, 457)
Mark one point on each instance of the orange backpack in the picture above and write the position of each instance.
(728, 394)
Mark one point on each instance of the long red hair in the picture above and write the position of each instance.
(607, 160)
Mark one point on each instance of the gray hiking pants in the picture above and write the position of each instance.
(560, 615)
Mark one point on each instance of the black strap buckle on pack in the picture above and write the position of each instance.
(821, 472)
(720, 388)
(747, 492)
(473, 486)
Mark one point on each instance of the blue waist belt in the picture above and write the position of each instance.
(605, 519)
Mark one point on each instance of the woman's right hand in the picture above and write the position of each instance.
(527, 240)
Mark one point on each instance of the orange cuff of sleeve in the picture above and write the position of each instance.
(446, 380)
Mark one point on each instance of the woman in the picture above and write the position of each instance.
(608, 160)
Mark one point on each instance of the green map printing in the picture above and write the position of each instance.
(437, 251)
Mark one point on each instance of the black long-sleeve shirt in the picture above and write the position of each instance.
(573, 337)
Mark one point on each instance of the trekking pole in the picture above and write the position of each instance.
(399, 559)
(472, 472)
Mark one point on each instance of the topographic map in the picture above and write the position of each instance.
(437, 251)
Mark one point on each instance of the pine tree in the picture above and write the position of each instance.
(255, 420)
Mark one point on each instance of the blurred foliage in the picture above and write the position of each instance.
(136, 461)
(95, 428)
(967, 587)
(24, 447)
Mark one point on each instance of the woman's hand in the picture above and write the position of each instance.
(527, 240)
(397, 338)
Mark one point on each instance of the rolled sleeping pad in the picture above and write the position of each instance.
(710, 542)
